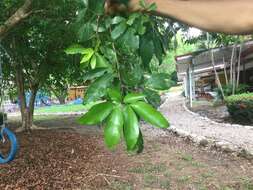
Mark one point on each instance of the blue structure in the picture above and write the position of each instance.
(6, 133)
(41, 99)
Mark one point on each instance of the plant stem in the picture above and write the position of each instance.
(118, 69)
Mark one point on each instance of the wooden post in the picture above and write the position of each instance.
(190, 82)
(231, 64)
(185, 86)
(239, 67)
(225, 70)
(216, 75)
(193, 81)
(244, 72)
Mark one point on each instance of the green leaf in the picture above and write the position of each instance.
(119, 30)
(114, 94)
(97, 114)
(146, 50)
(109, 54)
(129, 40)
(140, 144)
(108, 22)
(152, 97)
(98, 72)
(93, 62)
(85, 32)
(143, 4)
(118, 19)
(132, 18)
(113, 128)
(158, 47)
(86, 58)
(159, 81)
(97, 6)
(75, 49)
(97, 89)
(152, 7)
(88, 52)
(133, 76)
(101, 61)
(131, 128)
(150, 115)
(133, 97)
(99, 28)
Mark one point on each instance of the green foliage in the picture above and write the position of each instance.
(133, 97)
(159, 81)
(116, 51)
(153, 97)
(240, 107)
(131, 128)
(113, 128)
(149, 114)
(35, 46)
(228, 90)
(98, 88)
(97, 114)
(121, 118)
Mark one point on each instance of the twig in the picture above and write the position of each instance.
(108, 182)
(107, 175)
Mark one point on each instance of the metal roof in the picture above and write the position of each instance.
(202, 59)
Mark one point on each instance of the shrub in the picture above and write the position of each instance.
(240, 107)
(228, 90)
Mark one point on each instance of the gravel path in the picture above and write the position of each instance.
(181, 119)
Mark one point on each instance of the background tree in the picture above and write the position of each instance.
(36, 49)
(63, 75)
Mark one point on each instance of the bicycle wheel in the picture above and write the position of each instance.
(9, 148)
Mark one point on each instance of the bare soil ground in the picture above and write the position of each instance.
(73, 157)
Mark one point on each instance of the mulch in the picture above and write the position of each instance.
(51, 159)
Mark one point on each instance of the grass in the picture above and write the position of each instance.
(154, 175)
(121, 185)
(149, 168)
(64, 108)
(189, 158)
(156, 181)
(184, 179)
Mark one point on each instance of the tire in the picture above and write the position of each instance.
(13, 149)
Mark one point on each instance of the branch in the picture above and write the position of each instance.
(23, 12)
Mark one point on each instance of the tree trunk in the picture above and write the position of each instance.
(21, 95)
(34, 90)
(61, 96)
(26, 110)
(23, 12)
(61, 99)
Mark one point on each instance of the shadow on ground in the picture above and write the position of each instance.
(77, 159)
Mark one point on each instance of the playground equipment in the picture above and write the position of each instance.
(7, 137)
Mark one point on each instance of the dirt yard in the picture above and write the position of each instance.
(69, 156)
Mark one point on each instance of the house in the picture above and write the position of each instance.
(203, 71)
(75, 92)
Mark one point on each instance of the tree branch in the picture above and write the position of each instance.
(23, 12)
